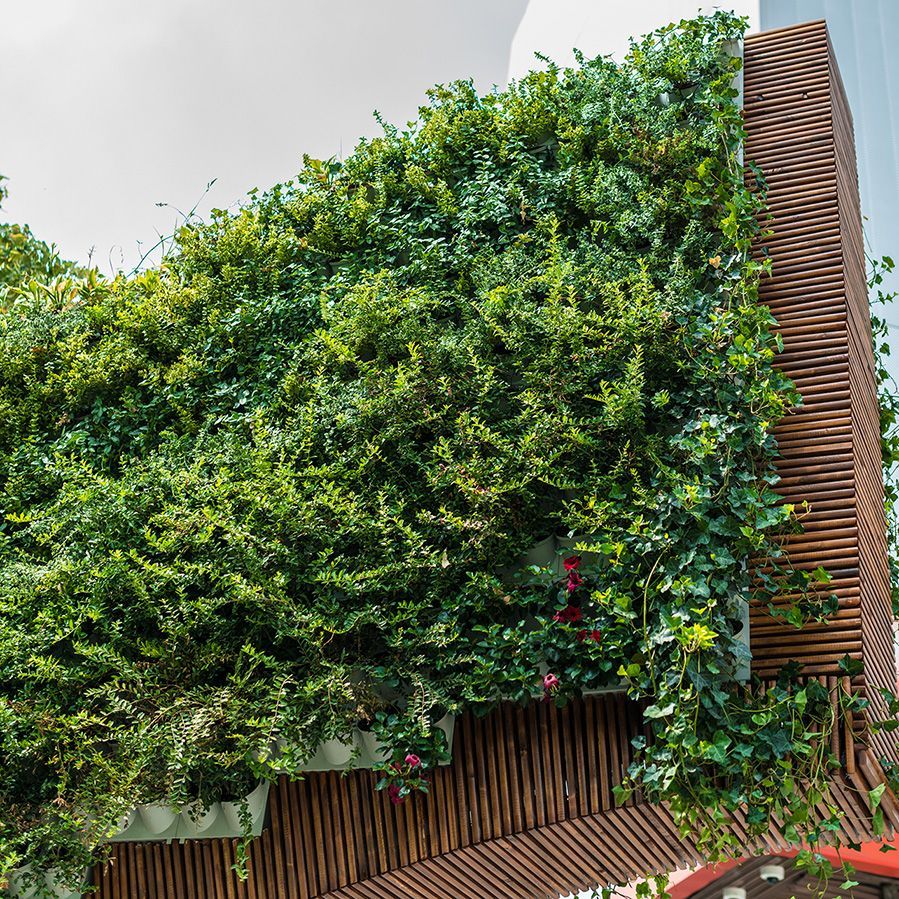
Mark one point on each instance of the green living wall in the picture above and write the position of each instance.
(282, 484)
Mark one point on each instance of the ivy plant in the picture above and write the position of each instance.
(287, 481)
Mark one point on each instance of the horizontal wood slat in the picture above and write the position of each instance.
(799, 131)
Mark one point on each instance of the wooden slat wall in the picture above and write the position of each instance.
(800, 133)
(526, 808)
(514, 771)
(876, 606)
(790, 136)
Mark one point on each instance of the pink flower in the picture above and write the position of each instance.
(572, 563)
(393, 791)
(550, 682)
(412, 760)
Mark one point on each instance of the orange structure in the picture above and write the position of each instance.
(526, 808)
(876, 872)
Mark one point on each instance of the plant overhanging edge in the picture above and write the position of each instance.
(280, 486)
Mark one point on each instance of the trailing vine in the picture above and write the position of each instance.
(287, 482)
(888, 395)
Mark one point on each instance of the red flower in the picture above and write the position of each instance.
(412, 760)
(581, 635)
(550, 682)
(574, 581)
(596, 636)
(393, 791)
(568, 615)
(572, 563)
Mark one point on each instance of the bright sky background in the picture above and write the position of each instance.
(595, 27)
(112, 106)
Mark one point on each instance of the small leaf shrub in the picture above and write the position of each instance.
(282, 485)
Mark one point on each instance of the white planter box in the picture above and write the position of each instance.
(19, 890)
(372, 747)
(220, 820)
(156, 819)
(256, 803)
(195, 821)
(363, 750)
(448, 725)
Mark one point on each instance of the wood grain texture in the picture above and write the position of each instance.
(799, 131)
(526, 809)
(552, 827)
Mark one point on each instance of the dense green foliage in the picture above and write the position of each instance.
(888, 394)
(281, 484)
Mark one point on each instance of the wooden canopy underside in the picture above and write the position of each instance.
(526, 809)
(504, 813)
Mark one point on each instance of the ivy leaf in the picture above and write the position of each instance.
(851, 667)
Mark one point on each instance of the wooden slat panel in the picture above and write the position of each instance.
(600, 844)
(800, 132)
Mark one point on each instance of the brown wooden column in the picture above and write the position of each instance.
(800, 133)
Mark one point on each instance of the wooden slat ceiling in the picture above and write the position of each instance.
(526, 810)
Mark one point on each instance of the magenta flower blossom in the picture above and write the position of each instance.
(412, 760)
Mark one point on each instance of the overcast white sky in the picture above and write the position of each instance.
(597, 27)
(113, 106)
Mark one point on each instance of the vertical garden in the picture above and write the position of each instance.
(285, 484)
